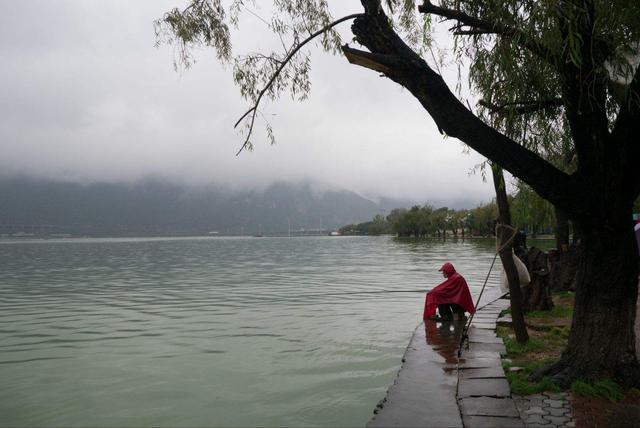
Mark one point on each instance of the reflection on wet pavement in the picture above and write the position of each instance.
(424, 393)
(444, 338)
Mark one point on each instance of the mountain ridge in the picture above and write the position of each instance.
(156, 207)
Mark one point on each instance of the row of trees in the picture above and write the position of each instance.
(530, 213)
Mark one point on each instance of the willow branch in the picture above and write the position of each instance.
(484, 26)
(253, 110)
(521, 107)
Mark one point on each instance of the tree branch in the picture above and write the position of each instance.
(521, 107)
(483, 26)
(472, 32)
(408, 69)
(254, 108)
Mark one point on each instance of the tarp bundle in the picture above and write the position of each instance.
(523, 274)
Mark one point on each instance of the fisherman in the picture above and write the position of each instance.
(451, 296)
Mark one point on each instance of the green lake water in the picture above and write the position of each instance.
(212, 331)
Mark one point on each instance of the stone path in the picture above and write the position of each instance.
(432, 380)
(545, 410)
(424, 393)
(483, 392)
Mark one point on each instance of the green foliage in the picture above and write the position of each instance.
(427, 221)
(481, 218)
(515, 82)
(605, 388)
(378, 226)
(565, 294)
(531, 213)
(558, 311)
(515, 349)
(520, 384)
(516, 65)
(287, 24)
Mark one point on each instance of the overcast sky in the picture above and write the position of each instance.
(87, 97)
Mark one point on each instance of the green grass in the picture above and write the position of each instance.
(558, 311)
(605, 388)
(521, 385)
(515, 349)
(564, 294)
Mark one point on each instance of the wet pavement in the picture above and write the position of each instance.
(483, 395)
(435, 388)
(424, 393)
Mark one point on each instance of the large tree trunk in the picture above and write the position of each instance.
(564, 260)
(602, 339)
(562, 230)
(537, 295)
(564, 267)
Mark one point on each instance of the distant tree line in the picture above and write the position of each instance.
(530, 213)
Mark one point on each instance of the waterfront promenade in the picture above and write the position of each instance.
(435, 388)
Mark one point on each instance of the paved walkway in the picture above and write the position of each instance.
(546, 409)
(424, 393)
(435, 388)
(433, 379)
(483, 394)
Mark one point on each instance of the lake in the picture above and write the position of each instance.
(212, 331)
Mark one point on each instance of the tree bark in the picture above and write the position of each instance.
(602, 339)
(537, 295)
(562, 230)
(506, 256)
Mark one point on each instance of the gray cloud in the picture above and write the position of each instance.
(87, 97)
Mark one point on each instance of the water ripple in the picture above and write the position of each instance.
(268, 331)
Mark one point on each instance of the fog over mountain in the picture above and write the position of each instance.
(156, 207)
(86, 97)
(153, 207)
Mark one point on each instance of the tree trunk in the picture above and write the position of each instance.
(563, 267)
(537, 295)
(602, 340)
(506, 256)
(562, 230)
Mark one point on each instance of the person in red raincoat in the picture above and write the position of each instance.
(452, 294)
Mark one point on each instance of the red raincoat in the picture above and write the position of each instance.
(453, 290)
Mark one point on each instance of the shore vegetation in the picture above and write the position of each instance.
(549, 333)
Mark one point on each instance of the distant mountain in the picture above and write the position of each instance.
(160, 208)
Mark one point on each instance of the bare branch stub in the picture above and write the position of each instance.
(366, 59)
(254, 108)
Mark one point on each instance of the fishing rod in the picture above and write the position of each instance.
(465, 331)
(349, 293)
